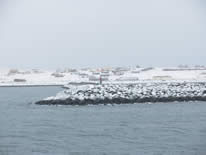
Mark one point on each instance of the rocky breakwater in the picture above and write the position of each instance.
(128, 93)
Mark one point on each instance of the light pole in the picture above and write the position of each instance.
(100, 80)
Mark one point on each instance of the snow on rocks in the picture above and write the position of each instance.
(128, 93)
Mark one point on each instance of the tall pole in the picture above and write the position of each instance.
(100, 80)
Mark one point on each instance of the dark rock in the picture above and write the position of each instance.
(119, 100)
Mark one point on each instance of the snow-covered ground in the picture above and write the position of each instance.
(13, 77)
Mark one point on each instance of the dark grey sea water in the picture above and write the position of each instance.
(139, 129)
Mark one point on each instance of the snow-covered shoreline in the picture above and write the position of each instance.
(16, 77)
(128, 93)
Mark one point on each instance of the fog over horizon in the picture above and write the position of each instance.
(52, 34)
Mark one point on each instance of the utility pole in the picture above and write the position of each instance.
(100, 80)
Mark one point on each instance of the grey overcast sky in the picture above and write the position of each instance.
(93, 33)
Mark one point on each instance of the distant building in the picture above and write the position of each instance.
(97, 78)
(70, 70)
(13, 71)
(122, 69)
(105, 75)
(57, 75)
(147, 69)
(83, 75)
(20, 80)
(128, 79)
(162, 77)
(118, 73)
(135, 71)
(36, 71)
(96, 73)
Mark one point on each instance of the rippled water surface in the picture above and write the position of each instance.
(151, 129)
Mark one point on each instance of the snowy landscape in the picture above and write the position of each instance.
(35, 77)
(114, 85)
(107, 77)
